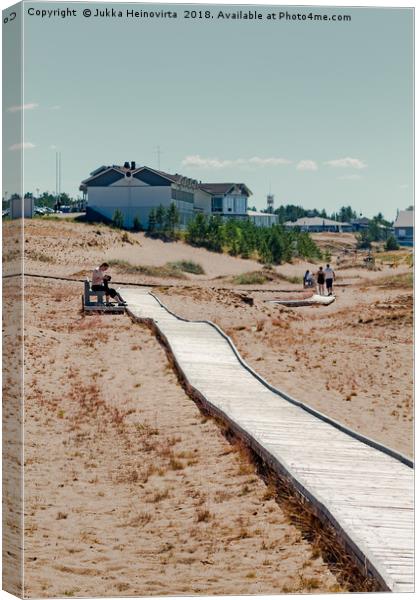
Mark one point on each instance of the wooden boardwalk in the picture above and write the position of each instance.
(363, 489)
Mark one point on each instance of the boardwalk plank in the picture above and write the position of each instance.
(363, 490)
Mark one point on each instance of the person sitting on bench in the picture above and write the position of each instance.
(100, 282)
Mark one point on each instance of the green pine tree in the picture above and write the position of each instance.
(118, 219)
(160, 218)
(391, 243)
(172, 220)
(136, 224)
(151, 226)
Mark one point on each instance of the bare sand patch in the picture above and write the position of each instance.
(129, 489)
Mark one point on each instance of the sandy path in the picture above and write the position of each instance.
(129, 489)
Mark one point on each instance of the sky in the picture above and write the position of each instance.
(318, 113)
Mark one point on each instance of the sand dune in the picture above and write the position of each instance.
(129, 489)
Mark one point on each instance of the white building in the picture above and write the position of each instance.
(19, 206)
(261, 219)
(318, 224)
(135, 191)
(227, 199)
(404, 227)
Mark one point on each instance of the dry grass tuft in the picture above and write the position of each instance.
(203, 516)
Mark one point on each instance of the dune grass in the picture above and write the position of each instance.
(187, 266)
(261, 277)
(401, 280)
(251, 278)
(171, 269)
(291, 278)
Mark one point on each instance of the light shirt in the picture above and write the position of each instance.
(329, 273)
(97, 277)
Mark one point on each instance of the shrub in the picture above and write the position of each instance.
(118, 219)
(188, 266)
(251, 278)
(171, 220)
(151, 227)
(391, 243)
(136, 224)
(364, 241)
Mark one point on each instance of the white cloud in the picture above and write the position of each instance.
(353, 163)
(351, 177)
(307, 165)
(195, 160)
(29, 106)
(267, 162)
(24, 146)
(55, 107)
(404, 186)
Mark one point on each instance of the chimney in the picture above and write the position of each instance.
(133, 165)
(126, 165)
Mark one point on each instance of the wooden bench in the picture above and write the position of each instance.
(94, 301)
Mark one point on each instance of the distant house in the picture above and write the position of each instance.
(21, 208)
(318, 225)
(261, 219)
(360, 224)
(135, 191)
(404, 227)
(227, 199)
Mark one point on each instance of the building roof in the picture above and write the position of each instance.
(360, 221)
(211, 188)
(256, 213)
(223, 188)
(315, 222)
(405, 218)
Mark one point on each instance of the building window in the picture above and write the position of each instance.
(181, 195)
(217, 204)
(240, 204)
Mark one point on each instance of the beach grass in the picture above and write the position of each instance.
(187, 266)
(251, 278)
(167, 270)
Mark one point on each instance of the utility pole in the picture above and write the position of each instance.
(59, 177)
(57, 180)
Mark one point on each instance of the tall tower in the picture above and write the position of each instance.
(270, 203)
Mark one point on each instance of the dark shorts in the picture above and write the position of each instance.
(329, 283)
(104, 288)
(320, 281)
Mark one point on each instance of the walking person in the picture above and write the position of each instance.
(100, 281)
(329, 279)
(320, 279)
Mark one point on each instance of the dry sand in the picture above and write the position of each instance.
(129, 489)
(351, 360)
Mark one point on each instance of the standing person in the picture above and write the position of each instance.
(320, 279)
(329, 278)
(100, 282)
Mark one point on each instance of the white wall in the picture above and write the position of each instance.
(202, 200)
(263, 219)
(131, 200)
(235, 204)
(16, 206)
